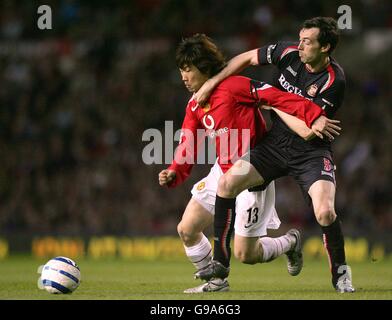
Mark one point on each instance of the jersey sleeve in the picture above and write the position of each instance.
(186, 152)
(287, 102)
(276, 53)
(331, 99)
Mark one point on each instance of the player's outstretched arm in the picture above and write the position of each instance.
(320, 127)
(234, 66)
(295, 124)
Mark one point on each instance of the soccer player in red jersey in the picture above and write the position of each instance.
(231, 117)
(306, 68)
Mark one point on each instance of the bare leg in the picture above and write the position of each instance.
(194, 220)
(323, 199)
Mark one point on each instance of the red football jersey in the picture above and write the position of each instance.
(233, 119)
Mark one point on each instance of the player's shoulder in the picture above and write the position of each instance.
(233, 83)
(230, 88)
(277, 52)
(337, 69)
(335, 78)
(287, 48)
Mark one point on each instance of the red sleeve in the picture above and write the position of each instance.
(186, 152)
(290, 103)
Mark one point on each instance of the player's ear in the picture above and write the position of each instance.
(325, 48)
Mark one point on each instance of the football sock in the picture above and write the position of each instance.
(334, 244)
(274, 247)
(223, 228)
(200, 254)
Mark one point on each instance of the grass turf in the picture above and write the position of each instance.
(119, 279)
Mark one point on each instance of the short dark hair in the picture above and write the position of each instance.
(329, 31)
(201, 52)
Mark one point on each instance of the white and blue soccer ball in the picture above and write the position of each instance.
(60, 275)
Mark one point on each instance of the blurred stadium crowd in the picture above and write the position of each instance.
(75, 101)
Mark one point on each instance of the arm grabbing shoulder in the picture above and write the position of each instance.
(234, 66)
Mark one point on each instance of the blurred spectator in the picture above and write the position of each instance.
(76, 100)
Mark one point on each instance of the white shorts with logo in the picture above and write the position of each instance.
(255, 211)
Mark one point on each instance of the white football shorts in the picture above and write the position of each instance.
(255, 211)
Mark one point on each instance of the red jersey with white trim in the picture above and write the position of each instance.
(325, 88)
(233, 119)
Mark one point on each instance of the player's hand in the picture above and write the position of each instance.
(328, 127)
(166, 176)
(204, 92)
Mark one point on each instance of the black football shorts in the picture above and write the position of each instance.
(279, 156)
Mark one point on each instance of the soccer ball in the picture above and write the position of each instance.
(60, 275)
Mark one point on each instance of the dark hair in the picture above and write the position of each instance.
(329, 32)
(201, 52)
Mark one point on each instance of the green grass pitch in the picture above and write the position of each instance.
(165, 280)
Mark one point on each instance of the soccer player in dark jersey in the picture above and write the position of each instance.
(306, 68)
(232, 110)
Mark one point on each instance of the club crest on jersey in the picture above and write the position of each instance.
(201, 186)
(206, 108)
(312, 90)
(327, 165)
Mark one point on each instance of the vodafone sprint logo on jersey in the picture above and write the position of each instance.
(209, 124)
(209, 121)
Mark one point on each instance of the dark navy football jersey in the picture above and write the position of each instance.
(325, 88)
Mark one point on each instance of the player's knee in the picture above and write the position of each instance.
(187, 235)
(227, 187)
(325, 216)
(245, 256)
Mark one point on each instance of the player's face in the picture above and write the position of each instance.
(309, 47)
(193, 78)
